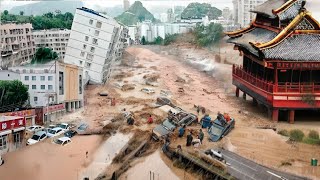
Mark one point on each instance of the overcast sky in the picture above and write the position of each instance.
(312, 5)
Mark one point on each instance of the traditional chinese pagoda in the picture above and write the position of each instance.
(281, 58)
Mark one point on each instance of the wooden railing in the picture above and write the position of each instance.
(312, 87)
(255, 81)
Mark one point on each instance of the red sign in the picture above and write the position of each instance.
(12, 124)
(53, 108)
(24, 113)
(294, 65)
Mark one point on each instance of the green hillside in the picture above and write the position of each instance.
(199, 10)
(136, 13)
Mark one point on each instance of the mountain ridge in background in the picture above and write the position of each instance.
(43, 7)
(136, 13)
(199, 10)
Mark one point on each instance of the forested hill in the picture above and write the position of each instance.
(136, 13)
(199, 10)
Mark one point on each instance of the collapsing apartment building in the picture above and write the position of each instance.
(96, 41)
(281, 58)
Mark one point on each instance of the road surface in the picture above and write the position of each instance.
(244, 169)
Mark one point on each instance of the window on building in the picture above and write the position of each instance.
(35, 99)
(90, 21)
(80, 84)
(27, 86)
(43, 87)
(89, 56)
(88, 65)
(80, 62)
(50, 87)
(61, 83)
(84, 46)
(34, 78)
(3, 142)
(34, 86)
(92, 49)
(86, 38)
(82, 54)
(42, 78)
(26, 78)
(98, 25)
(96, 33)
(50, 78)
(94, 41)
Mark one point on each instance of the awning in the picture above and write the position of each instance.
(5, 132)
(19, 129)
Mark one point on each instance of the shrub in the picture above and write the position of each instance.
(283, 132)
(313, 134)
(296, 135)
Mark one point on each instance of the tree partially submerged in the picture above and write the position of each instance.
(44, 55)
(13, 94)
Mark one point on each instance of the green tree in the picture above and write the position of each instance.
(48, 15)
(44, 55)
(21, 13)
(13, 94)
(208, 35)
(5, 12)
(158, 40)
(169, 38)
(143, 40)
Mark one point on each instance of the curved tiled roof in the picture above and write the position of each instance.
(305, 47)
(256, 35)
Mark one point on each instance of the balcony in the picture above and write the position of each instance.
(284, 95)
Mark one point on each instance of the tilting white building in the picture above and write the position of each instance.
(96, 41)
(55, 39)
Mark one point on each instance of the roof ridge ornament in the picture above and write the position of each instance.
(285, 6)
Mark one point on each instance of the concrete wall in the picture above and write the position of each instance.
(9, 75)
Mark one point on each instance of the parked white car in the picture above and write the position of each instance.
(34, 128)
(64, 126)
(37, 137)
(62, 141)
(1, 160)
(148, 90)
(54, 132)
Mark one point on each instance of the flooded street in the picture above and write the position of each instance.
(153, 165)
(104, 155)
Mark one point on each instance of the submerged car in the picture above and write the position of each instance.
(54, 132)
(34, 128)
(62, 141)
(220, 128)
(172, 122)
(82, 128)
(162, 130)
(37, 137)
(148, 90)
(70, 133)
(64, 126)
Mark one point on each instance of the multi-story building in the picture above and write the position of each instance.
(16, 44)
(55, 39)
(95, 43)
(242, 9)
(55, 87)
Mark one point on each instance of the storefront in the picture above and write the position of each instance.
(12, 133)
(45, 115)
(29, 115)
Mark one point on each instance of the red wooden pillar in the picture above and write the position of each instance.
(275, 115)
(275, 77)
(291, 116)
(244, 96)
(237, 92)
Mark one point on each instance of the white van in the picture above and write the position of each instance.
(1, 160)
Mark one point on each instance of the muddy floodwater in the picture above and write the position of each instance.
(104, 155)
(153, 165)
